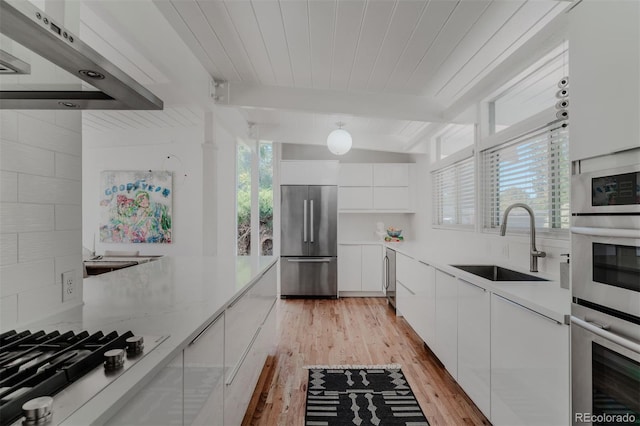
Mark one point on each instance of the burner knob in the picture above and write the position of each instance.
(37, 411)
(113, 359)
(135, 345)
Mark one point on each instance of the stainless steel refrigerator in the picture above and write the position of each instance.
(308, 235)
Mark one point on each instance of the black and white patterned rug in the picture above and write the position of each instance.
(342, 395)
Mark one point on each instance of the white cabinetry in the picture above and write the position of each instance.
(212, 379)
(294, 172)
(446, 347)
(246, 347)
(360, 267)
(415, 298)
(391, 174)
(204, 376)
(158, 403)
(529, 367)
(355, 174)
(474, 343)
(375, 187)
(355, 198)
(604, 107)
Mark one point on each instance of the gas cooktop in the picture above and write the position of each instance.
(45, 377)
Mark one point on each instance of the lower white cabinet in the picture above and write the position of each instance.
(204, 376)
(474, 344)
(242, 380)
(211, 381)
(446, 347)
(415, 296)
(360, 267)
(159, 402)
(529, 367)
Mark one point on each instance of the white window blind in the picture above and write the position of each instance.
(533, 169)
(454, 194)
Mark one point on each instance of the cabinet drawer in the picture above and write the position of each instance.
(391, 198)
(355, 198)
(241, 385)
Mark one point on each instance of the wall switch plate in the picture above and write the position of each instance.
(69, 285)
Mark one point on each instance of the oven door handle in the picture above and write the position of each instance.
(599, 331)
(606, 232)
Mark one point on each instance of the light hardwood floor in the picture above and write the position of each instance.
(351, 331)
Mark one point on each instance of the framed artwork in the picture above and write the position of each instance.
(135, 207)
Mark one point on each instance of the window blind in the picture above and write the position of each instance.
(454, 194)
(533, 169)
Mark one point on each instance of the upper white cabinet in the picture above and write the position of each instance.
(375, 188)
(604, 108)
(391, 174)
(529, 367)
(354, 174)
(294, 172)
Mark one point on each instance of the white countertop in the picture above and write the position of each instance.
(175, 296)
(544, 297)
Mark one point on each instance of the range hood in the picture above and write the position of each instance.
(93, 81)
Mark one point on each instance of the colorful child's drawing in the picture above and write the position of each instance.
(135, 207)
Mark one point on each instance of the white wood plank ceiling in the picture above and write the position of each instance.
(406, 60)
(392, 70)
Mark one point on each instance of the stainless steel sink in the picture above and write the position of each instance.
(497, 273)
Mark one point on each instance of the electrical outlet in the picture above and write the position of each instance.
(69, 288)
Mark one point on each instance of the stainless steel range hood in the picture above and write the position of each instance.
(31, 28)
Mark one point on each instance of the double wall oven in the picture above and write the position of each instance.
(605, 322)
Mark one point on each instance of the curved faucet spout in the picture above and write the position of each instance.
(535, 254)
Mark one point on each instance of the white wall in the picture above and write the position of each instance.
(40, 212)
(148, 149)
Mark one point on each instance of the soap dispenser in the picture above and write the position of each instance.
(564, 272)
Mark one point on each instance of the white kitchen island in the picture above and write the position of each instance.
(178, 297)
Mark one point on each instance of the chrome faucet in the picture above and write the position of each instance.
(535, 254)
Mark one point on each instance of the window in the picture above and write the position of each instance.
(532, 169)
(243, 199)
(254, 197)
(265, 197)
(454, 194)
(531, 92)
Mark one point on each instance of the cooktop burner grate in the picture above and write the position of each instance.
(41, 364)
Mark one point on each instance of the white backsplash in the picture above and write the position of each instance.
(40, 212)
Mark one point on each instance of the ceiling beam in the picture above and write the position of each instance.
(361, 140)
(390, 106)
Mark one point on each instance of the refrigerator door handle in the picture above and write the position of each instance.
(311, 221)
(304, 221)
(312, 260)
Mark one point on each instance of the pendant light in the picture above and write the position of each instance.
(339, 141)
